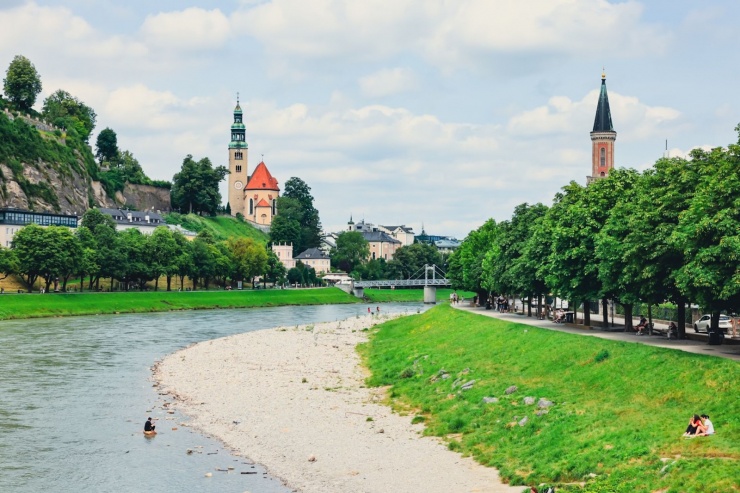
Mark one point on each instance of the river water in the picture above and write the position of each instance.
(75, 392)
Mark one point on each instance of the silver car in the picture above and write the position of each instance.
(703, 324)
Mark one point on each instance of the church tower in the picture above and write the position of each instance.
(602, 137)
(237, 162)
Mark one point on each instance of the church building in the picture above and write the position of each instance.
(602, 138)
(254, 196)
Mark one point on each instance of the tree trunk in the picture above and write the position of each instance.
(540, 310)
(586, 312)
(156, 284)
(605, 309)
(650, 319)
(628, 327)
(169, 283)
(47, 284)
(681, 314)
(715, 321)
(529, 305)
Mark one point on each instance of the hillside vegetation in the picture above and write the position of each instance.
(52, 157)
(221, 227)
(619, 409)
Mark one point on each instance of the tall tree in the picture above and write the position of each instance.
(107, 146)
(64, 110)
(195, 187)
(8, 262)
(352, 250)
(307, 215)
(29, 245)
(708, 232)
(249, 258)
(286, 228)
(163, 252)
(22, 83)
(274, 270)
(466, 263)
(412, 258)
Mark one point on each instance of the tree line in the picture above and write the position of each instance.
(668, 234)
(56, 255)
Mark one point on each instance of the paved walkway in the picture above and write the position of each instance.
(690, 346)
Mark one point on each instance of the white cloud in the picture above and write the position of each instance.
(451, 34)
(387, 82)
(190, 29)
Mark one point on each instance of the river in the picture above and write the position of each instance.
(75, 392)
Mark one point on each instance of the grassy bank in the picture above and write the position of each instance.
(400, 295)
(619, 408)
(221, 227)
(52, 305)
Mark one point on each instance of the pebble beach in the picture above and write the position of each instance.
(294, 400)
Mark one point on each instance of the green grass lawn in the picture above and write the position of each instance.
(620, 408)
(399, 295)
(14, 306)
(221, 227)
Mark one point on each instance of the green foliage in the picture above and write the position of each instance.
(351, 251)
(195, 187)
(66, 111)
(22, 83)
(297, 220)
(106, 145)
(604, 422)
(601, 356)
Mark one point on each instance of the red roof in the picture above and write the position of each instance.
(261, 179)
(263, 203)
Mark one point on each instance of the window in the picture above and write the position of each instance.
(238, 168)
(603, 157)
(274, 206)
(373, 255)
(239, 155)
(251, 207)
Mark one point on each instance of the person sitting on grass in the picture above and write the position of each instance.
(707, 425)
(695, 427)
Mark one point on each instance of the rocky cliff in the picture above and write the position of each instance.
(43, 170)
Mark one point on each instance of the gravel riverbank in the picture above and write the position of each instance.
(293, 399)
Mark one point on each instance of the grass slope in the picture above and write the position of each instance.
(619, 407)
(221, 227)
(48, 305)
(399, 295)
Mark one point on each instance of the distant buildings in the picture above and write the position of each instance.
(146, 221)
(313, 257)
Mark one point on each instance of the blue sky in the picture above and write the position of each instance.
(399, 111)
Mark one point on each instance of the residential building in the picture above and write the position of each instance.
(402, 233)
(313, 257)
(144, 221)
(382, 245)
(445, 244)
(12, 220)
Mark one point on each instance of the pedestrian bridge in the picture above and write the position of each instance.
(426, 277)
(402, 282)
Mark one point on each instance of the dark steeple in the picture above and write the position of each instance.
(603, 120)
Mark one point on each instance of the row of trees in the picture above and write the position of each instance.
(97, 251)
(669, 234)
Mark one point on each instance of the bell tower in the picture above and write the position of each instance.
(237, 162)
(602, 137)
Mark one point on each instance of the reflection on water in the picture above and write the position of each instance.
(75, 392)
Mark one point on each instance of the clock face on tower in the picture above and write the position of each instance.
(238, 185)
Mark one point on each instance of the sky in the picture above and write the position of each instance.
(432, 113)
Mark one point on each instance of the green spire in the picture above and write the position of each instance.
(238, 133)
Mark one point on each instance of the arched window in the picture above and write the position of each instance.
(251, 207)
(238, 155)
(274, 206)
(238, 168)
(603, 157)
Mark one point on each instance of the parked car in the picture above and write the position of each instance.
(703, 324)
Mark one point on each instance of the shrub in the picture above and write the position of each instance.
(601, 356)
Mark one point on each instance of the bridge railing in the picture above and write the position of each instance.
(402, 282)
